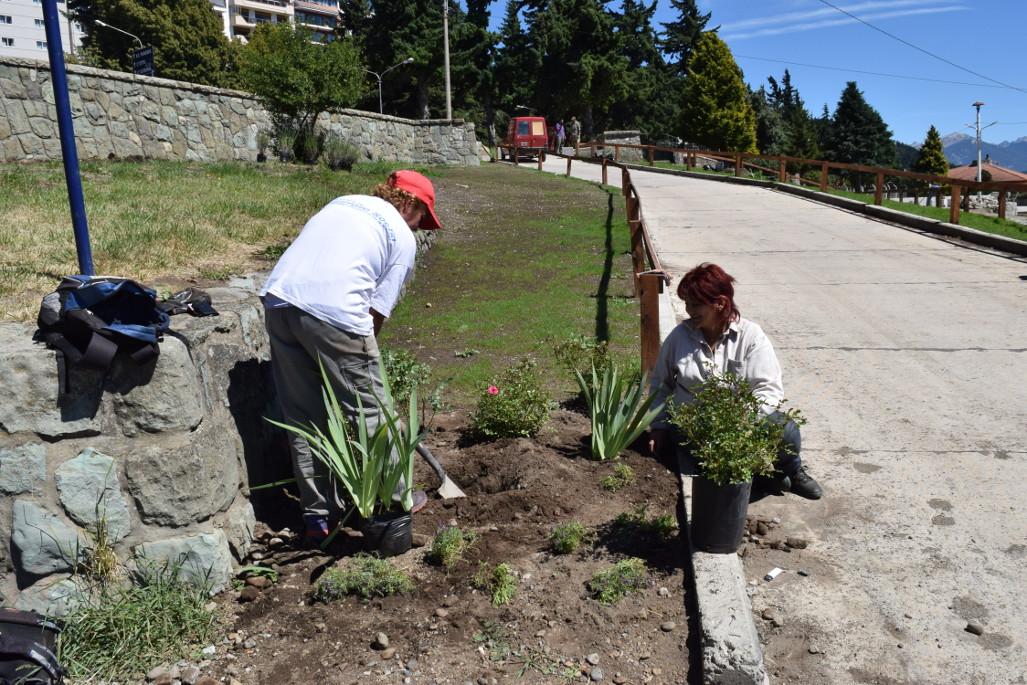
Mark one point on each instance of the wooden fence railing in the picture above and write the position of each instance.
(778, 166)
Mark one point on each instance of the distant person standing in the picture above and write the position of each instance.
(561, 135)
(574, 133)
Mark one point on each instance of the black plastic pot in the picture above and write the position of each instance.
(389, 534)
(718, 515)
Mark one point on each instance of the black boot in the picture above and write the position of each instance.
(803, 485)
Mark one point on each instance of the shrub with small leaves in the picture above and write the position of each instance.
(363, 575)
(405, 374)
(579, 353)
(514, 405)
(567, 538)
(731, 437)
(500, 583)
(622, 476)
(450, 545)
(613, 584)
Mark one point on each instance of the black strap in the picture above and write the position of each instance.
(13, 647)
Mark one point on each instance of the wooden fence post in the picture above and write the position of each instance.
(513, 155)
(652, 156)
(1002, 204)
(738, 164)
(878, 187)
(954, 208)
(616, 152)
(540, 158)
(637, 244)
(569, 159)
(605, 175)
(689, 160)
(782, 172)
(823, 177)
(625, 182)
(649, 288)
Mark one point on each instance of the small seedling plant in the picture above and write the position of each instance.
(640, 524)
(500, 583)
(363, 575)
(730, 435)
(613, 584)
(567, 538)
(620, 410)
(622, 476)
(450, 545)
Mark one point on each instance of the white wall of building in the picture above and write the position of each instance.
(22, 33)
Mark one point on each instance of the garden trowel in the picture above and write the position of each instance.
(448, 489)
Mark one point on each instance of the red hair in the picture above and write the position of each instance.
(707, 284)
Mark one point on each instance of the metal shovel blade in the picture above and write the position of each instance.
(448, 489)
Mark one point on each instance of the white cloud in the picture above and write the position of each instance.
(737, 32)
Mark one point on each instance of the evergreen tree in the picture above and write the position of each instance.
(681, 36)
(646, 106)
(770, 129)
(582, 70)
(514, 59)
(858, 133)
(932, 155)
(186, 35)
(716, 111)
(797, 135)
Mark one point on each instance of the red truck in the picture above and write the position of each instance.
(526, 135)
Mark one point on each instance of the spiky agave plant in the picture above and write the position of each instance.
(620, 410)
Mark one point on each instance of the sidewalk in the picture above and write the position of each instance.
(908, 354)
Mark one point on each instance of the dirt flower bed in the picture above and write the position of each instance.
(447, 630)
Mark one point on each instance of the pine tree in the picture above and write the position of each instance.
(715, 110)
(681, 36)
(858, 133)
(932, 155)
(187, 37)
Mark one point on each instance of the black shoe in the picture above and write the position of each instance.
(803, 485)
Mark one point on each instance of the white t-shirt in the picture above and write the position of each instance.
(353, 255)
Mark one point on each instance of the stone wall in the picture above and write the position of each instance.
(623, 138)
(120, 115)
(160, 454)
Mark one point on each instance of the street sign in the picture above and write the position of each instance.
(142, 61)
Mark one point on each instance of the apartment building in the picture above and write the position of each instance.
(23, 34)
(241, 17)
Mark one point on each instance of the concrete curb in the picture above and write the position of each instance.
(731, 651)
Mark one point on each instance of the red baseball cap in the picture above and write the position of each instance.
(421, 188)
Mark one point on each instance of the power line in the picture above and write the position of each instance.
(870, 73)
(920, 49)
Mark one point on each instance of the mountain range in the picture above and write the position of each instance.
(961, 149)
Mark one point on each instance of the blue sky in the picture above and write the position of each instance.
(985, 36)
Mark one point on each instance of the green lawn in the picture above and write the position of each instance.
(526, 260)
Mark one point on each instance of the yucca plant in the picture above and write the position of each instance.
(620, 410)
(361, 459)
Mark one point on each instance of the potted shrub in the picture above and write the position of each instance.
(362, 461)
(263, 140)
(285, 143)
(732, 440)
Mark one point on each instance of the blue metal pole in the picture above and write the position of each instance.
(59, 80)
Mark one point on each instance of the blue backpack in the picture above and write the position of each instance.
(92, 318)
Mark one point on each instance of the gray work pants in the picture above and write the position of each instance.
(351, 362)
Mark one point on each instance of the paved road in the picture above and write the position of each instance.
(909, 357)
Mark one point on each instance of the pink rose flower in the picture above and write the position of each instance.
(493, 390)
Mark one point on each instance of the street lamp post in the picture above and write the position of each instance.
(445, 33)
(378, 76)
(115, 28)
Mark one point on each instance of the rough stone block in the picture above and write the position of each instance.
(239, 525)
(204, 559)
(178, 485)
(44, 542)
(90, 490)
(55, 596)
(157, 398)
(23, 469)
(31, 401)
